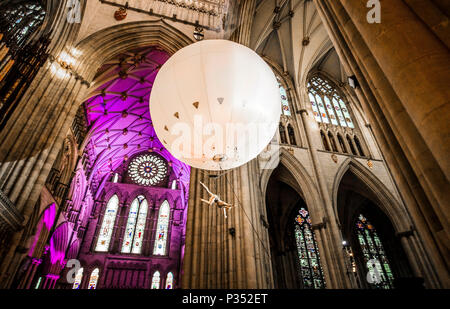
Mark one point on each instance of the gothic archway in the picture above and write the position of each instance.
(370, 220)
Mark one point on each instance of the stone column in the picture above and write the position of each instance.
(416, 63)
(227, 253)
(325, 226)
(233, 252)
(34, 135)
(407, 156)
(31, 273)
(245, 21)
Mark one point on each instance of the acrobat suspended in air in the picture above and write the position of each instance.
(214, 200)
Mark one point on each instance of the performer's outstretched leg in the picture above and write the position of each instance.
(204, 201)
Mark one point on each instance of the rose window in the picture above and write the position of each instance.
(148, 170)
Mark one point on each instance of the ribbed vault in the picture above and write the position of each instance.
(118, 113)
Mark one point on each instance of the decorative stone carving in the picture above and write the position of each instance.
(120, 14)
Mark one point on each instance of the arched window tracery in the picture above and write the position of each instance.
(20, 20)
(308, 253)
(109, 219)
(78, 278)
(374, 254)
(162, 229)
(156, 281)
(341, 143)
(358, 145)
(94, 279)
(283, 136)
(134, 232)
(332, 142)
(326, 146)
(291, 134)
(169, 281)
(352, 148)
(327, 103)
(284, 99)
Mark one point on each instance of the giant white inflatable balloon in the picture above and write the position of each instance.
(215, 105)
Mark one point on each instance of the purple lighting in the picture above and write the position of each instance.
(121, 131)
(119, 115)
(49, 216)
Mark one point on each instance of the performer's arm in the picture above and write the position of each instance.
(206, 188)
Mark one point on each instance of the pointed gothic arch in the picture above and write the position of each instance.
(388, 203)
(302, 177)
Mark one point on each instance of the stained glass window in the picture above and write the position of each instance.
(374, 254)
(134, 232)
(107, 227)
(148, 170)
(78, 278)
(284, 99)
(156, 280)
(162, 229)
(22, 19)
(94, 279)
(327, 104)
(169, 281)
(309, 260)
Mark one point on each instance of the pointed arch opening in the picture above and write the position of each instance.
(332, 142)
(291, 134)
(93, 280)
(374, 253)
(295, 254)
(135, 228)
(156, 281)
(326, 146)
(106, 229)
(162, 229)
(283, 135)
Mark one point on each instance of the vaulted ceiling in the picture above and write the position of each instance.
(291, 33)
(118, 113)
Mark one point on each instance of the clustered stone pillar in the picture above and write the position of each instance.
(234, 252)
(34, 135)
(31, 271)
(402, 67)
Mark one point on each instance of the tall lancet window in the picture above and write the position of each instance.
(284, 99)
(156, 280)
(94, 279)
(161, 229)
(169, 281)
(374, 254)
(327, 103)
(104, 237)
(308, 253)
(78, 278)
(134, 233)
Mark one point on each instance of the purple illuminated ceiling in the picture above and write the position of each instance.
(118, 114)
